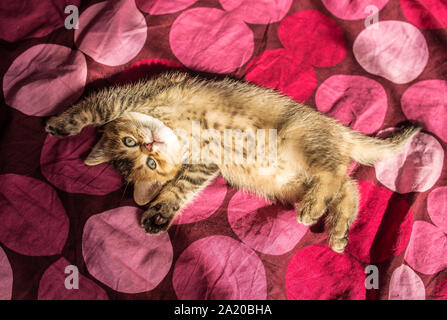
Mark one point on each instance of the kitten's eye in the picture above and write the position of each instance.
(129, 142)
(151, 163)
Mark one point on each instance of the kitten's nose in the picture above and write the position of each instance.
(148, 146)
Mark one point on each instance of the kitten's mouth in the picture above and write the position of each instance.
(155, 142)
(149, 146)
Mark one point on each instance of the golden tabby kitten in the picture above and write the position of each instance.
(311, 152)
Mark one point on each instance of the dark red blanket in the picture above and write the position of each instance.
(369, 63)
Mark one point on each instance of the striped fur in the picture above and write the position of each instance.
(313, 150)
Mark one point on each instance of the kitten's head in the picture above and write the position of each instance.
(143, 149)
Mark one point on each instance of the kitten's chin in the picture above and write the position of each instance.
(166, 142)
(169, 151)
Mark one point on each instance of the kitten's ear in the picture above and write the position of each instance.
(145, 191)
(97, 155)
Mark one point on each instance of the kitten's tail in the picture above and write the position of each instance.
(368, 150)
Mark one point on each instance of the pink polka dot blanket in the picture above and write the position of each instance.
(371, 64)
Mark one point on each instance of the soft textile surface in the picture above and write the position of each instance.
(56, 212)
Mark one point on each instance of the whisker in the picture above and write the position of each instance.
(124, 192)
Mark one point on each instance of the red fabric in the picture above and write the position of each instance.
(31, 18)
(62, 163)
(56, 212)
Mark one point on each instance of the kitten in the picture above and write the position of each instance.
(313, 151)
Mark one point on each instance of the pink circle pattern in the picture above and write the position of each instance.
(416, 168)
(229, 271)
(37, 226)
(205, 204)
(425, 253)
(310, 39)
(378, 52)
(426, 102)
(270, 229)
(112, 33)
(52, 285)
(62, 163)
(156, 7)
(427, 249)
(355, 101)
(5, 277)
(44, 79)
(257, 11)
(353, 9)
(428, 244)
(121, 255)
(405, 284)
(210, 53)
(437, 207)
(201, 37)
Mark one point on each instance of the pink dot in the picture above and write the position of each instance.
(426, 101)
(62, 163)
(415, 169)
(270, 229)
(383, 226)
(427, 250)
(5, 277)
(205, 204)
(33, 220)
(44, 79)
(121, 255)
(318, 273)
(230, 271)
(278, 70)
(315, 36)
(257, 12)
(353, 9)
(112, 33)
(405, 284)
(163, 7)
(426, 14)
(52, 285)
(378, 52)
(208, 39)
(355, 101)
(437, 207)
(23, 19)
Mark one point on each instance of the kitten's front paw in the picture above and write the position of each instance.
(61, 127)
(158, 218)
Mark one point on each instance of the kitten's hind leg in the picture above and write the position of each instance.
(343, 211)
(320, 191)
